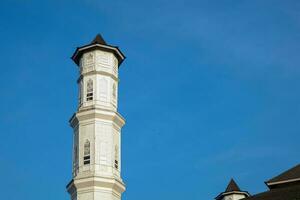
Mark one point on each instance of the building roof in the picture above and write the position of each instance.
(232, 186)
(291, 175)
(285, 186)
(98, 43)
(285, 193)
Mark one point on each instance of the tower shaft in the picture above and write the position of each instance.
(97, 125)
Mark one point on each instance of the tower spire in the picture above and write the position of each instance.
(98, 40)
(232, 186)
(232, 191)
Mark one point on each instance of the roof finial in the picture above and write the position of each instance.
(98, 40)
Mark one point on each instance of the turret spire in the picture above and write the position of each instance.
(232, 186)
(98, 40)
(233, 191)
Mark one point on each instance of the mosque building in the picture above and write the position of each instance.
(97, 128)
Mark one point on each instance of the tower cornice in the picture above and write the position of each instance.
(113, 49)
(113, 76)
(96, 181)
(97, 113)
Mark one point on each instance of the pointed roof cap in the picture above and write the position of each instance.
(232, 186)
(98, 40)
(98, 43)
(291, 175)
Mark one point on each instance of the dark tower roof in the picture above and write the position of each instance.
(98, 43)
(232, 186)
(98, 40)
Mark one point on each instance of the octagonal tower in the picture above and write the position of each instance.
(97, 124)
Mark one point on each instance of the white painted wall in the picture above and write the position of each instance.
(234, 197)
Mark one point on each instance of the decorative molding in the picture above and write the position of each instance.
(113, 76)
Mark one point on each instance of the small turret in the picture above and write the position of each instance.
(232, 192)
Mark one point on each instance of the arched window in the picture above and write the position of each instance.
(89, 58)
(89, 90)
(116, 157)
(87, 156)
(75, 161)
(75, 155)
(80, 92)
(115, 67)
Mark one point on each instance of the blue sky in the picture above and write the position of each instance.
(209, 89)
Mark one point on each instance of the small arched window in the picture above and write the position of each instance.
(89, 58)
(75, 154)
(115, 67)
(116, 157)
(75, 157)
(89, 90)
(87, 156)
(80, 92)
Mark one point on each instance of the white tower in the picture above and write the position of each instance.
(97, 124)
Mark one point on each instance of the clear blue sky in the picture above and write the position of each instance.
(209, 89)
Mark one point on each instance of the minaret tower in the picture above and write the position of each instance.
(97, 124)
